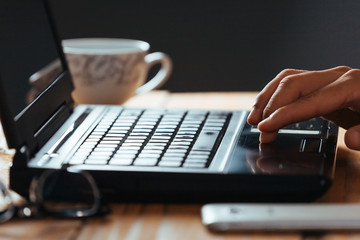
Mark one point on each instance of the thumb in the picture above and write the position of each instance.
(352, 137)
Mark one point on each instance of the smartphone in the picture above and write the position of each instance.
(240, 217)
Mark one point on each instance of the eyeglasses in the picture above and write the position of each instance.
(57, 193)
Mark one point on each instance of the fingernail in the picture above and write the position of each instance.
(266, 120)
(252, 117)
(252, 112)
(262, 123)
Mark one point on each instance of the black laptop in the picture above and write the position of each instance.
(135, 154)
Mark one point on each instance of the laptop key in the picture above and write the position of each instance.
(147, 151)
(131, 112)
(150, 148)
(104, 145)
(96, 162)
(145, 161)
(141, 130)
(178, 147)
(177, 143)
(176, 151)
(124, 155)
(185, 129)
(136, 137)
(134, 140)
(149, 155)
(100, 154)
(194, 160)
(172, 159)
(212, 128)
(103, 160)
(127, 151)
(169, 164)
(187, 133)
(111, 138)
(132, 144)
(123, 161)
(194, 165)
(184, 136)
(138, 134)
(103, 150)
(160, 137)
(77, 160)
(165, 130)
(180, 155)
(206, 140)
(109, 142)
(205, 155)
(156, 144)
(124, 148)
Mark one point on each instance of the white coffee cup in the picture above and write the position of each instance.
(112, 70)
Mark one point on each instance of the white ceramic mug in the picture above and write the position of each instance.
(111, 70)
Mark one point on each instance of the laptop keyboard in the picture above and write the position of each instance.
(163, 138)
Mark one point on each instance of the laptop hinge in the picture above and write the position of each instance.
(50, 127)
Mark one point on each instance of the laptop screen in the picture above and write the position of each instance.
(29, 60)
(35, 85)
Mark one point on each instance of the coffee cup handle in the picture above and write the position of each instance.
(162, 76)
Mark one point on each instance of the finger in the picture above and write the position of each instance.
(352, 138)
(295, 86)
(345, 118)
(337, 95)
(263, 97)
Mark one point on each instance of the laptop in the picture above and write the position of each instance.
(143, 154)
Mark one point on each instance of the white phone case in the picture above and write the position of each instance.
(235, 217)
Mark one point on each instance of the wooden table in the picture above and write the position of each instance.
(175, 221)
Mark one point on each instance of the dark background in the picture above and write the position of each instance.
(224, 45)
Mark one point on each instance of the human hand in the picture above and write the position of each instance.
(297, 95)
